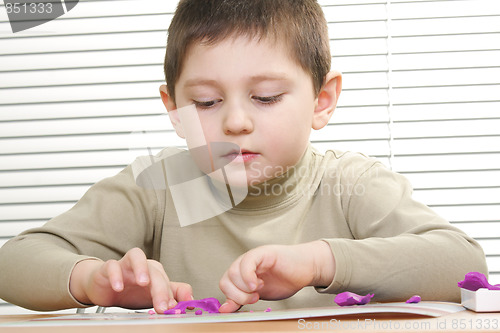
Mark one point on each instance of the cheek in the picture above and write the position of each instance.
(209, 126)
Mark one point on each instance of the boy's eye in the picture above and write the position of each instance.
(205, 104)
(268, 99)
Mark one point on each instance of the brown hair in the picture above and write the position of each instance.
(300, 23)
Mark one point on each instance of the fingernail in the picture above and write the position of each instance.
(172, 303)
(117, 286)
(252, 286)
(163, 306)
(143, 278)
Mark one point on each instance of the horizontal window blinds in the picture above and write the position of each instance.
(445, 111)
(79, 99)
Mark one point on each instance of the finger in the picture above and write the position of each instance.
(138, 263)
(229, 306)
(113, 272)
(160, 289)
(182, 291)
(253, 263)
(234, 275)
(235, 294)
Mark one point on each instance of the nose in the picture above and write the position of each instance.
(237, 121)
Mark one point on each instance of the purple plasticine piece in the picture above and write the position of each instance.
(268, 310)
(414, 299)
(210, 305)
(198, 312)
(347, 298)
(475, 280)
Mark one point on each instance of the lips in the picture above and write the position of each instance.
(243, 156)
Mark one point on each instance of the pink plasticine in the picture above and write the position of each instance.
(475, 280)
(268, 310)
(414, 299)
(210, 305)
(347, 298)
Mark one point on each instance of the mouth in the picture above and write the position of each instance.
(241, 156)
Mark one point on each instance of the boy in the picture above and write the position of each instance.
(258, 74)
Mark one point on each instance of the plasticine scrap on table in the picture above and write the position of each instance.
(210, 305)
(347, 298)
(414, 299)
(475, 280)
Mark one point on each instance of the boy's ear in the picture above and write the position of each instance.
(327, 100)
(172, 111)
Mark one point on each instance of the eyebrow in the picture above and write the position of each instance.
(253, 79)
(269, 77)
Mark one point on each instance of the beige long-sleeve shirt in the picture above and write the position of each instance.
(383, 241)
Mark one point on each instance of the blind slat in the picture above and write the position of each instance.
(411, 10)
(346, 132)
(360, 63)
(446, 145)
(451, 43)
(79, 110)
(84, 126)
(79, 76)
(460, 179)
(360, 115)
(86, 59)
(466, 213)
(446, 26)
(84, 43)
(66, 160)
(33, 211)
(433, 95)
(45, 194)
(88, 142)
(99, 24)
(481, 229)
(446, 77)
(460, 59)
(452, 162)
(449, 111)
(447, 128)
(104, 8)
(82, 93)
(55, 177)
(460, 196)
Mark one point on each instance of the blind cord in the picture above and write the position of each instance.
(390, 123)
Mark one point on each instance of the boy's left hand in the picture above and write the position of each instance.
(274, 272)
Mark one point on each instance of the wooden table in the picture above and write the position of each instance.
(465, 321)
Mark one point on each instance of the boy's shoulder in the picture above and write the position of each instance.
(350, 164)
(345, 157)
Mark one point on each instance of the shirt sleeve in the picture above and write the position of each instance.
(114, 216)
(400, 247)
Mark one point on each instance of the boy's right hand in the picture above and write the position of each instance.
(133, 282)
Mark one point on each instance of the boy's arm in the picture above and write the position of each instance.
(401, 246)
(114, 216)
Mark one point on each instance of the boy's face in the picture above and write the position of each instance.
(250, 93)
